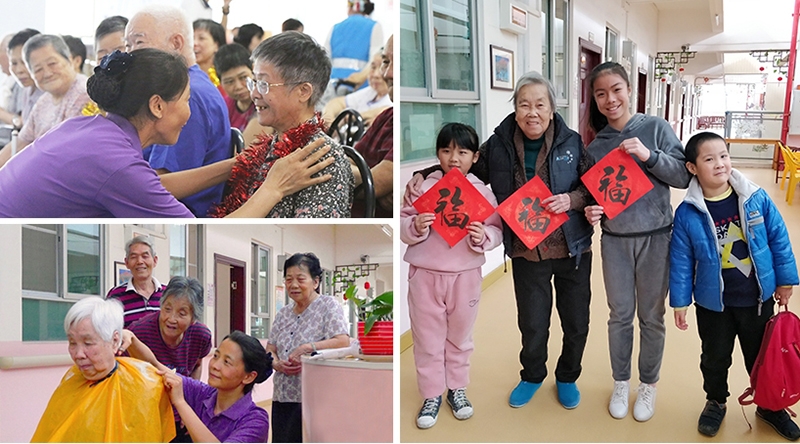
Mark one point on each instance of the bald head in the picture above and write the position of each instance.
(161, 27)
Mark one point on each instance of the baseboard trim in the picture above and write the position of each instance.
(407, 341)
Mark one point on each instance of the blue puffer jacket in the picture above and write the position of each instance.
(694, 256)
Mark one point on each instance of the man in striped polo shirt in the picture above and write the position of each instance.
(142, 294)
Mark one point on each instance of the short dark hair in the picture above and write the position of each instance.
(291, 25)
(463, 135)
(189, 288)
(298, 58)
(231, 56)
(246, 33)
(693, 145)
(597, 120)
(255, 357)
(215, 29)
(21, 37)
(151, 72)
(110, 25)
(309, 260)
(76, 48)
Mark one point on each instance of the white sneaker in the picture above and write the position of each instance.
(429, 412)
(645, 404)
(618, 406)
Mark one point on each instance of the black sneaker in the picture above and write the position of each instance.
(462, 408)
(781, 422)
(429, 412)
(711, 418)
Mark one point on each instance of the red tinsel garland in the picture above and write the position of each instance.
(252, 164)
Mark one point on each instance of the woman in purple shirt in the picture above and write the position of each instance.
(222, 410)
(93, 166)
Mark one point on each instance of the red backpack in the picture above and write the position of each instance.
(775, 379)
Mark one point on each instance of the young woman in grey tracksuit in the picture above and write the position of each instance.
(635, 244)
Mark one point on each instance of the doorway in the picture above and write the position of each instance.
(589, 58)
(231, 303)
(641, 92)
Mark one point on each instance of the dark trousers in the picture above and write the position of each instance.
(181, 434)
(287, 421)
(718, 330)
(534, 293)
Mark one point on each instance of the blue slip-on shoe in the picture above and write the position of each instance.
(568, 394)
(523, 393)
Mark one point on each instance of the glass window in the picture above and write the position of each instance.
(546, 39)
(83, 259)
(40, 258)
(194, 260)
(560, 39)
(412, 52)
(260, 286)
(453, 42)
(44, 320)
(420, 122)
(611, 46)
(177, 250)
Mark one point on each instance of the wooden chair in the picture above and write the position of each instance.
(791, 171)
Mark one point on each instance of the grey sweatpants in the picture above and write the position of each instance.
(636, 273)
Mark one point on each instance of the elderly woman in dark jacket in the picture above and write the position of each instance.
(535, 141)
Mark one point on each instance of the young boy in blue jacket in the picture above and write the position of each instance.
(731, 251)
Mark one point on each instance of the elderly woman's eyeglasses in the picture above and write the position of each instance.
(262, 85)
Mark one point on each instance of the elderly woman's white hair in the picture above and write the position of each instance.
(106, 315)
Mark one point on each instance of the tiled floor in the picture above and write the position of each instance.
(495, 371)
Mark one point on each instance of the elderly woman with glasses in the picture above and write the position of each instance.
(291, 71)
(104, 398)
(310, 322)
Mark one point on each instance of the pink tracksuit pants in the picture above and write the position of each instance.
(443, 308)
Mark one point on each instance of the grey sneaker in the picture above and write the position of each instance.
(429, 412)
(462, 408)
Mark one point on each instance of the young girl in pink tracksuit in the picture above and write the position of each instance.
(444, 284)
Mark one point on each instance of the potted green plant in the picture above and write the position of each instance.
(375, 325)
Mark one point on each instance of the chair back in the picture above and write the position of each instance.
(347, 127)
(367, 184)
(237, 141)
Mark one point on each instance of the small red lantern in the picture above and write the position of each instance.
(780, 79)
(761, 68)
(705, 79)
(366, 285)
(680, 69)
(663, 79)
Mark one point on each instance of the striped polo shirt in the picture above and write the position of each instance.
(194, 346)
(135, 305)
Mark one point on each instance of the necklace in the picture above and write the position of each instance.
(253, 164)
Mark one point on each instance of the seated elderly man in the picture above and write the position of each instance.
(206, 137)
(104, 398)
(49, 60)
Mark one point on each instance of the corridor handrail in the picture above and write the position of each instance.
(17, 362)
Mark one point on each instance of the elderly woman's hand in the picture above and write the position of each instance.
(293, 172)
(413, 188)
(174, 385)
(127, 338)
(558, 203)
(303, 349)
(287, 367)
(593, 213)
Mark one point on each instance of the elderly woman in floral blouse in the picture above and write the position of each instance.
(291, 71)
(309, 323)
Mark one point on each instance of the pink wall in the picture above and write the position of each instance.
(24, 392)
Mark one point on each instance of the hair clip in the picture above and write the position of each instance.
(114, 64)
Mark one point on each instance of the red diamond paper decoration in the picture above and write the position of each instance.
(456, 203)
(525, 214)
(616, 182)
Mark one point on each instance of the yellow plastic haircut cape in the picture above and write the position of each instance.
(131, 405)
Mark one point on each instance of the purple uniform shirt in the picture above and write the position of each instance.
(85, 167)
(195, 345)
(244, 421)
(135, 305)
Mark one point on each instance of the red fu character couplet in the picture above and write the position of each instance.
(456, 203)
(524, 213)
(616, 182)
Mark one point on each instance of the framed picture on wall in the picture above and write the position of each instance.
(121, 273)
(502, 67)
